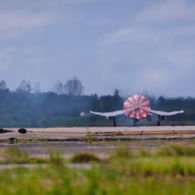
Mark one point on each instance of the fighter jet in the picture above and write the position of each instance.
(137, 107)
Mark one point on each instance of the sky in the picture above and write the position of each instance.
(135, 46)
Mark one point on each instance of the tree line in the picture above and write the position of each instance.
(66, 105)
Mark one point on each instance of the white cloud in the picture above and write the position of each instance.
(6, 59)
(185, 59)
(150, 34)
(155, 78)
(42, 4)
(103, 21)
(15, 23)
(168, 11)
(124, 35)
(24, 19)
(23, 16)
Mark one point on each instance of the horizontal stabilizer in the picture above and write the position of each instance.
(109, 114)
(162, 113)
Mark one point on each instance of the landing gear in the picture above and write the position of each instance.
(135, 122)
(113, 120)
(159, 119)
(158, 122)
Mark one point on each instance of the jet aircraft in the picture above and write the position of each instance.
(137, 107)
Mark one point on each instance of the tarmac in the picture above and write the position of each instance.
(99, 133)
(98, 140)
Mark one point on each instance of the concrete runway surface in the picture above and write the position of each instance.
(68, 141)
(82, 133)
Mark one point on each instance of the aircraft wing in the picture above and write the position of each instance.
(110, 114)
(162, 113)
(120, 112)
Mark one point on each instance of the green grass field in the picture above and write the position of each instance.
(168, 170)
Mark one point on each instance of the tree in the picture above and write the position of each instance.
(73, 87)
(2, 85)
(59, 88)
(25, 86)
(36, 88)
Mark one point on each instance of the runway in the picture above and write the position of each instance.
(97, 133)
(101, 141)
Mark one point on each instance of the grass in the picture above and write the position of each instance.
(84, 158)
(177, 150)
(122, 151)
(169, 170)
(112, 179)
(12, 155)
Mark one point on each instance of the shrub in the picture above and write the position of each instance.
(84, 158)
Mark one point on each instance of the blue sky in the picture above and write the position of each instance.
(132, 45)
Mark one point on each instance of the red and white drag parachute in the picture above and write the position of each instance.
(137, 107)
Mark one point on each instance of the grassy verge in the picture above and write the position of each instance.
(169, 170)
